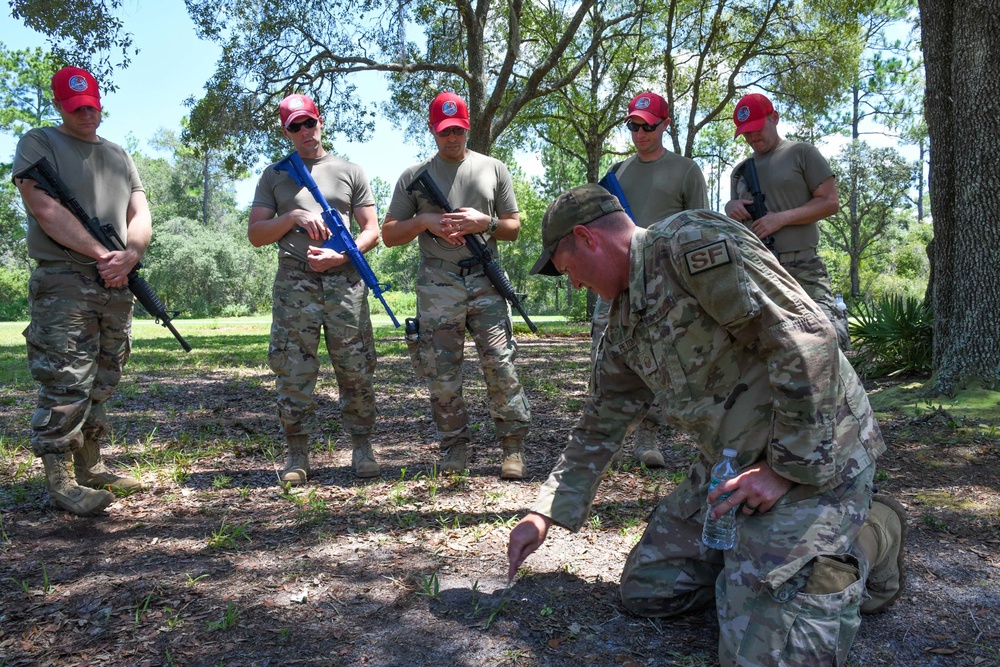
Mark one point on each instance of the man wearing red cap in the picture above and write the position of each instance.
(657, 183)
(800, 190)
(317, 289)
(79, 337)
(453, 292)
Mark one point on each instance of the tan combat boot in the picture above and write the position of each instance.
(455, 459)
(66, 494)
(363, 458)
(513, 458)
(881, 540)
(91, 471)
(296, 470)
(646, 450)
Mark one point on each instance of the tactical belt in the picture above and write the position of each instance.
(86, 269)
(299, 265)
(467, 267)
(796, 256)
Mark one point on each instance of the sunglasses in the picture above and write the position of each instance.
(308, 123)
(452, 131)
(635, 127)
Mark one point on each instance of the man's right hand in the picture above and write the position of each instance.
(526, 536)
(737, 209)
(312, 223)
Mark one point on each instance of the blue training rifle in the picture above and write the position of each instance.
(340, 236)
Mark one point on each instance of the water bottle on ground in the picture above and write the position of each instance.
(721, 533)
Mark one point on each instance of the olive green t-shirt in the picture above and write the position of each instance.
(660, 188)
(343, 184)
(788, 175)
(100, 175)
(478, 182)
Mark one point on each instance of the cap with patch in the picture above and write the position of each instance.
(577, 206)
(74, 87)
(750, 113)
(448, 110)
(649, 107)
(294, 107)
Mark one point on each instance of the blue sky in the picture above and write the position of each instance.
(172, 65)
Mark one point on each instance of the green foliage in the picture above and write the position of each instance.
(25, 90)
(208, 272)
(82, 32)
(872, 220)
(891, 336)
(13, 293)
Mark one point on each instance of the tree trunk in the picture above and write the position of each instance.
(961, 41)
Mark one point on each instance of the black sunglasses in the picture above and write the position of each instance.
(308, 123)
(635, 127)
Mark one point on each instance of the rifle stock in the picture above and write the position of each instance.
(340, 236)
(48, 181)
(425, 185)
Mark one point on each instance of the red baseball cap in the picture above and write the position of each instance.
(750, 113)
(74, 87)
(294, 107)
(650, 107)
(448, 110)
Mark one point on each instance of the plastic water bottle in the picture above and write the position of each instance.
(721, 533)
(840, 302)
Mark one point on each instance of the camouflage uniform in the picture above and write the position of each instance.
(79, 337)
(306, 302)
(725, 340)
(453, 297)
(655, 190)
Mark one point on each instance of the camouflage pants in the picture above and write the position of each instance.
(447, 305)
(776, 599)
(809, 271)
(79, 338)
(304, 304)
(653, 420)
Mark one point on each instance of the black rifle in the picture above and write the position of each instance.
(48, 181)
(758, 209)
(425, 185)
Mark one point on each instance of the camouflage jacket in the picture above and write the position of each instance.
(737, 355)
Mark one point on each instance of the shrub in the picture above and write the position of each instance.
(13, 293)
(892, 335)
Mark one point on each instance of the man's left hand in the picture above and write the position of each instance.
(465, 221)
(324, 259)
(114, 266)
(767, 225)
(758, 488)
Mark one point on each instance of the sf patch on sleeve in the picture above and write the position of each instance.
(707, 257)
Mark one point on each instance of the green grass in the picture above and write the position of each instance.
(970, 404)
(234, 343)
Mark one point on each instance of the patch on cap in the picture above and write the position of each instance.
(295, 103)
(642, 103)
(449, 108)
(77, 83)
(742, 113)
(707, 257)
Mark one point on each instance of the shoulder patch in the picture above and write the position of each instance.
(707, 257)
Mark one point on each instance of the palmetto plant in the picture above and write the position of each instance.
(892, 336)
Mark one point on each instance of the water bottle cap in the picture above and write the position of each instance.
(731, 453)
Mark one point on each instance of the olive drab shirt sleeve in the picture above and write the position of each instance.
(739, 285)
